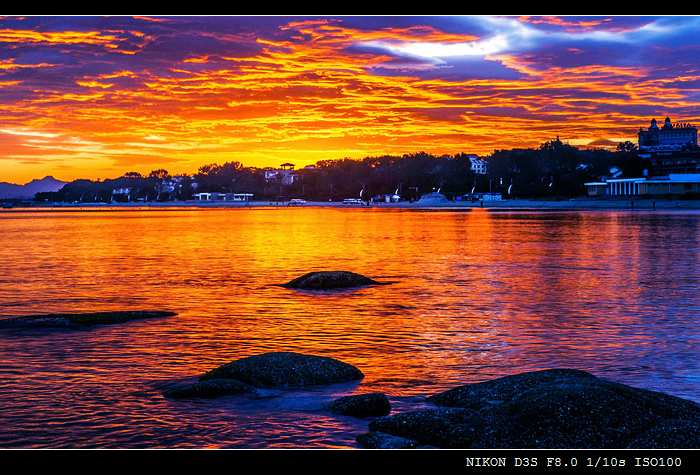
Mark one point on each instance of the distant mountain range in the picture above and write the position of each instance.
(28, 190)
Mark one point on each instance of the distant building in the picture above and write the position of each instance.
(672, 184)
(121, 194)
(209, 196)
(241, 196)
(597, 189)
(478, 165)
(223, 196)
(284, 174)
(669, 138)
(485, 196)
(489, 196)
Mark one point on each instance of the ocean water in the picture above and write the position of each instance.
(475, 294)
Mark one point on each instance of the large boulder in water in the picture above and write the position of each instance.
(286, 369)
(558, 408)
(362, 405)
(208, 389)
(327, 280)
(80, 320)
(478, 396)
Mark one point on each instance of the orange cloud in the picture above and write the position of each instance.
(63, 37)
(305, 96)
(568, 24)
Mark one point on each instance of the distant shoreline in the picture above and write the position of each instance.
(574, 204)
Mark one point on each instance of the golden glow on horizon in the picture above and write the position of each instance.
(302, 98)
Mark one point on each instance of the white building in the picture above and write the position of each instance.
(223, 196)
(284, 174)
(240, 196)
(208, 196)
(670, 137)
(479, 165)
(672, 184)
(489, 196)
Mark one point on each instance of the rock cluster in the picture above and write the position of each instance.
(558, 408)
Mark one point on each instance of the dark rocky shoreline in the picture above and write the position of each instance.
(556, 408)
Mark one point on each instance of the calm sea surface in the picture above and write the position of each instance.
(477, 294)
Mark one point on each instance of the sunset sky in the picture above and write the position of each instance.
(95, 97)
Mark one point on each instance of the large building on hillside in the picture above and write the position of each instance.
(673, 153)
(669, 138)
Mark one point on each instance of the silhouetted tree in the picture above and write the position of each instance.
(627, 147)
(554, 169)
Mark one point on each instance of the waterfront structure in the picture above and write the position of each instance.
(482, 196)
(208, 196)
(241, 196)
(669, 138)
(597, 188)
(213, 196)
(672, 184)
(489, 196)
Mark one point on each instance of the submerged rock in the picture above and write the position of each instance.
(80, 320)
(327, 280)
(286, 369)
(362, 405)
(208, 389)
(557, 408)
(380, 440)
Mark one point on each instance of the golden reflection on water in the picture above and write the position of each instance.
(475, 295)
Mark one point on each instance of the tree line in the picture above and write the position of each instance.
(554, 169)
